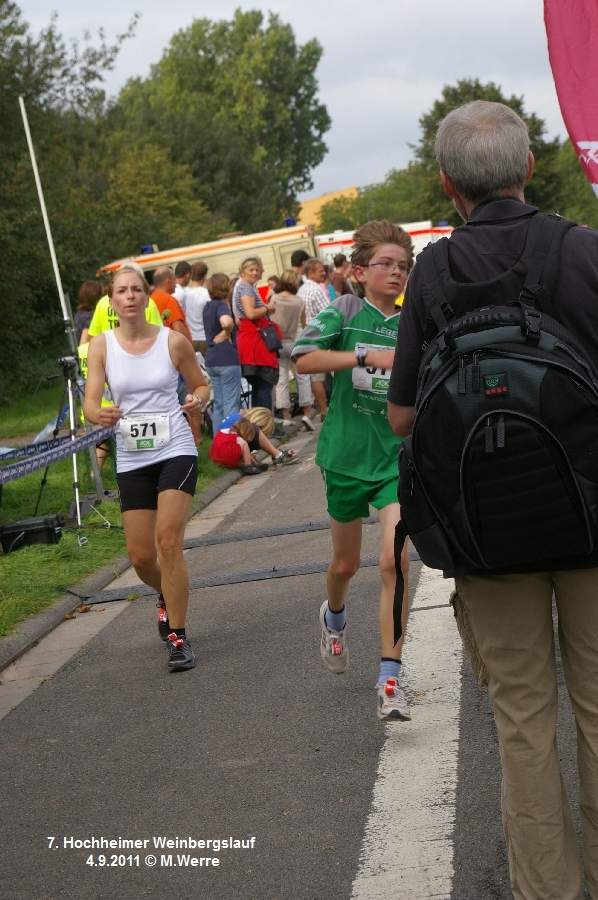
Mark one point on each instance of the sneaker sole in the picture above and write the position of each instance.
(394, 716)
(182, 667)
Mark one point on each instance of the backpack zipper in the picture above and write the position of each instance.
(475, 373)
(489, 435)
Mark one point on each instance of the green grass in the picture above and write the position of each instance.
(32, 578)
(28, 414)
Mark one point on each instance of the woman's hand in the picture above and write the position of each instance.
(271, 306)
(110, 415)
(192, 405)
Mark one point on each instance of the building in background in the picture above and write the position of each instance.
(310, 209)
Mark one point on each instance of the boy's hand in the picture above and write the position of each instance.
(379, 359)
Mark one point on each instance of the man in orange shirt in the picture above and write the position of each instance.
(168, 306)
(173, 317)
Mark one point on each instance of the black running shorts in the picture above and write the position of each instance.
(139, 488)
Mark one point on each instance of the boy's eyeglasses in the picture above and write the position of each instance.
(389, 267)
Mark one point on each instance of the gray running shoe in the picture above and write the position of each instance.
(391, 701)
(180, 654)
(287, 458)
(163, 626)
(333, 646)
(308, 423)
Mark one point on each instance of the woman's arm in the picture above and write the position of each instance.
(94, 386)
(252, 311)
(184, 360)
(227, 327)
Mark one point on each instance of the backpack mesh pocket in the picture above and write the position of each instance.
(425, 530)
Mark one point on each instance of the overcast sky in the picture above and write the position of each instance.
(384, 61)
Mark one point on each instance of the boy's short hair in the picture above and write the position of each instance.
(372, 235)
(312, 264)
(199, 270)
(218, 286)
(339, 260)
(182, 269)
(299, 257)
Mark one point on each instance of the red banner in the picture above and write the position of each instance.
(572, 29)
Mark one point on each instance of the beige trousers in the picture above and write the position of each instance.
(506, 624)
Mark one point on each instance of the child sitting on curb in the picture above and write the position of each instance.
(234, 446)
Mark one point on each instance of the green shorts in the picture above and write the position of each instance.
(349, 498)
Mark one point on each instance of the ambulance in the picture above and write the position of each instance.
(225, 255)
(421, 233)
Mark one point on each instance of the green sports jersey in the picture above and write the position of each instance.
(105, 319)
(356, 437)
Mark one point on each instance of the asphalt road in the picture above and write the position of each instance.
(258, 741)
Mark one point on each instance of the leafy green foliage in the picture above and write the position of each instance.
(416, 193)
(236, 101)
(222, 135)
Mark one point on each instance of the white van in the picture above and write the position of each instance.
(274, 247)
(421, 233)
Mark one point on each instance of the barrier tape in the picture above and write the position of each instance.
(34, 449)
(67, 448)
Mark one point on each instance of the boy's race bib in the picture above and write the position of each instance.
(145, 431)
(370, 378)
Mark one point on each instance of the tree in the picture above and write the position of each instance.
(61, 87)
(415, 193)
(236, 101)
(542, 190)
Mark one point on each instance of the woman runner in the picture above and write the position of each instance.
(156, 456)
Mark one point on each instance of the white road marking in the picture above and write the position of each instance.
(407, 851)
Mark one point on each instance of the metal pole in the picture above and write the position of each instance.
(67, 316)
(73, 424)
(42, 203)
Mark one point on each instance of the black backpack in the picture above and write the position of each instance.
(501, 469)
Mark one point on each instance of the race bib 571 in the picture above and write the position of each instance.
(369, 378)
(145, 431)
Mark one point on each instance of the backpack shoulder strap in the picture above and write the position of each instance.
(541, 259)
(432, 262)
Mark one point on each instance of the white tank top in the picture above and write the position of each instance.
(143, 385)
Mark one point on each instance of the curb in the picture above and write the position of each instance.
(36, 627)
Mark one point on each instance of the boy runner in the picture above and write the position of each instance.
(354, 337)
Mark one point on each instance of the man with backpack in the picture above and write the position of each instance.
(497, 352)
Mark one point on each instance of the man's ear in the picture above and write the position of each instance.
(448, 186)
(530, 167)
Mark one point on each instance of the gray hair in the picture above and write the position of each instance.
(484, 149)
